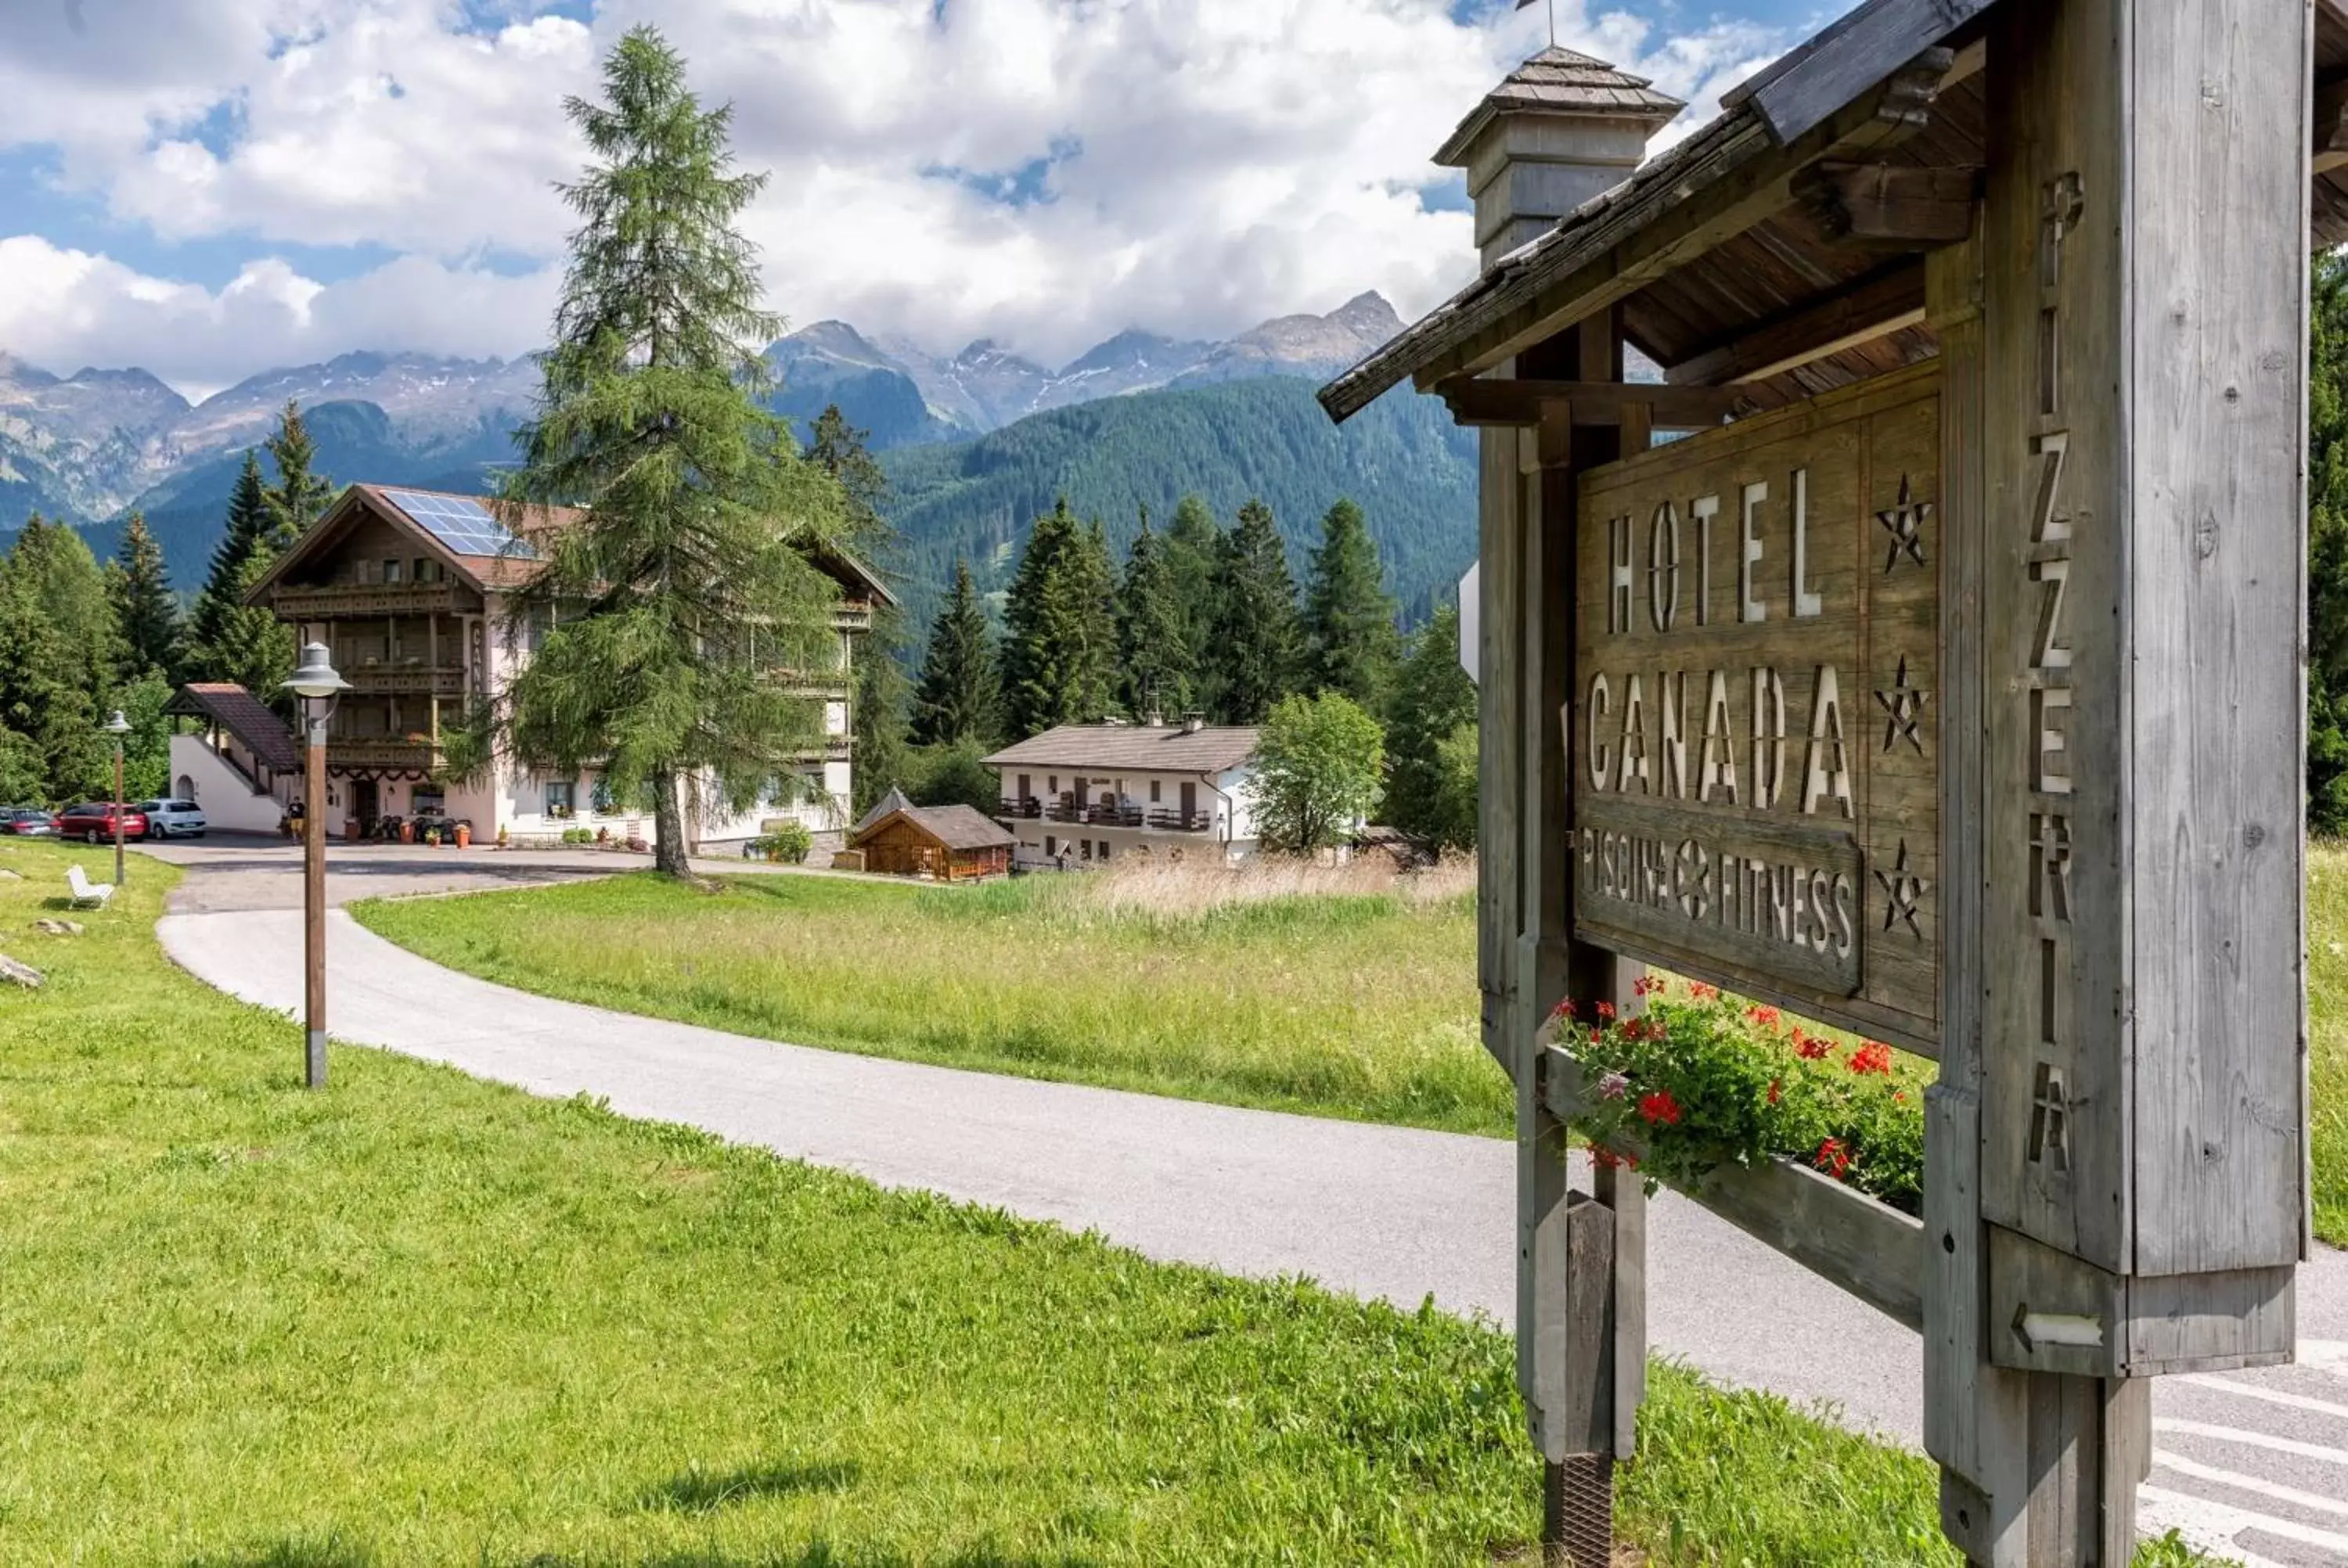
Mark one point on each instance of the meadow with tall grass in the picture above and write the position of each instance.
(421, 1319)
(1345, 991)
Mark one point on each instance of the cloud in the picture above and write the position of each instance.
(1045, 172)
(65, 308)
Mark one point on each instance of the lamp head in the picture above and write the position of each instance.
(315, 676)
(116, 725)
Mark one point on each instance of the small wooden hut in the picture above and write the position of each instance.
(945, 843)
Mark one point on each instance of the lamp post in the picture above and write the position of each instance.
(118, 727)
(316, 684)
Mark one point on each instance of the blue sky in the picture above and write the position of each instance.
(212, 190)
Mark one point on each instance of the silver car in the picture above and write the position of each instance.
(173, 818)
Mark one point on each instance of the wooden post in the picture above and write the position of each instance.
(2124, 561)
(314, 903)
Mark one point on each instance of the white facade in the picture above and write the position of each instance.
(1068, 815)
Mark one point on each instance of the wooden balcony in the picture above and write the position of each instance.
(406, 679)
(388, 753)
(1156, 819)
(346, 600)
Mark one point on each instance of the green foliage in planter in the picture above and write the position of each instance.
(1710, 1081)
(791, 842)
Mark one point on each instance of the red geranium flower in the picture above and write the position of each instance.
(1605, 1010)
(1874, 1056)
(1659, 1107)
(1701, 992)
(1833, 1158)
(1633, 1028)
(1810, 1048)
(1562, 1009)
(1764, 1016)
(1646, 985)
(1777, 1091)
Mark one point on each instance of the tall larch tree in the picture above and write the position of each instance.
(689, 615)
(1253, 652)
(1153, 642)
(146, 611)
(956, 701)
(1192, 542)
(300, 496)
(880, 695)
(1056, 655)
(1350, 641)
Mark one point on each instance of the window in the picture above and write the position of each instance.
(1153, 791)
(426, 570)
(394, 572)
(428, 801)
(1087, 845)
(561, 798)
(599, 798)
(1052, 784)
(1051, 844)
(1103, 849)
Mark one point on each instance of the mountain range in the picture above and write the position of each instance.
(976, 442)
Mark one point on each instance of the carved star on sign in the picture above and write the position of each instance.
(1904, 521)
(1905, 704)
(1902, 889)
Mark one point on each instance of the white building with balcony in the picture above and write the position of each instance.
(409, 589)
(1087, 793)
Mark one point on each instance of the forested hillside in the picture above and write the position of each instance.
(1402, 460)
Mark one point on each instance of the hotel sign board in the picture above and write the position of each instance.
(1755, 723)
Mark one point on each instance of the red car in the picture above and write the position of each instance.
(93, 822)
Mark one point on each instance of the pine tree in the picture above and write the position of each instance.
(956, 701)
(1433, 700)
(146, 611)
(1059, 636)
(300, 497)
(689, 614)
(58, 650)
(1193, 544)
(1153, 643)
(228, 639)
(1349, 618)
(1253, 653)
(2327, 546)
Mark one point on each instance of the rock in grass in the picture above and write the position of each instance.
(58, 927)
(19, 974)
(8, 875)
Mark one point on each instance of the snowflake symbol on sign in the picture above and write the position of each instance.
(1902, 889)
(1905, 523)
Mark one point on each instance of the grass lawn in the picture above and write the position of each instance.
(2327, 1035)
(1362, 1006)
(424, 1319)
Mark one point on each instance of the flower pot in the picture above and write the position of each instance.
(407, 833)
(351, 829)
(464, 836)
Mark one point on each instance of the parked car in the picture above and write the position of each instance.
(93, 822)
(173, 818)
(27, 822)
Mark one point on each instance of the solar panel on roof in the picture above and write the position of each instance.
(461, 523)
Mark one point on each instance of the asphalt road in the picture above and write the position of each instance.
(2254, 1464)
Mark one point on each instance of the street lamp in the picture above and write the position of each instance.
(316, 684)
(118, 727)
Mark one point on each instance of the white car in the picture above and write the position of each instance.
(173, 818)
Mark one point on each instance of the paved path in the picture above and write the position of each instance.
(2256, 1463)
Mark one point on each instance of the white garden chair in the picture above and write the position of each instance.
(88, 895)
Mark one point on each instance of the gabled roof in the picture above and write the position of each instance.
(1562, 82)
(893, 801)
(952, 827)
(514, 559)
(243, 715)
(1155, 748)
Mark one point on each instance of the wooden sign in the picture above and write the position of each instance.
(1755, 724)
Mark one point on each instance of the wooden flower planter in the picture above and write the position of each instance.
(1858, 1241)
